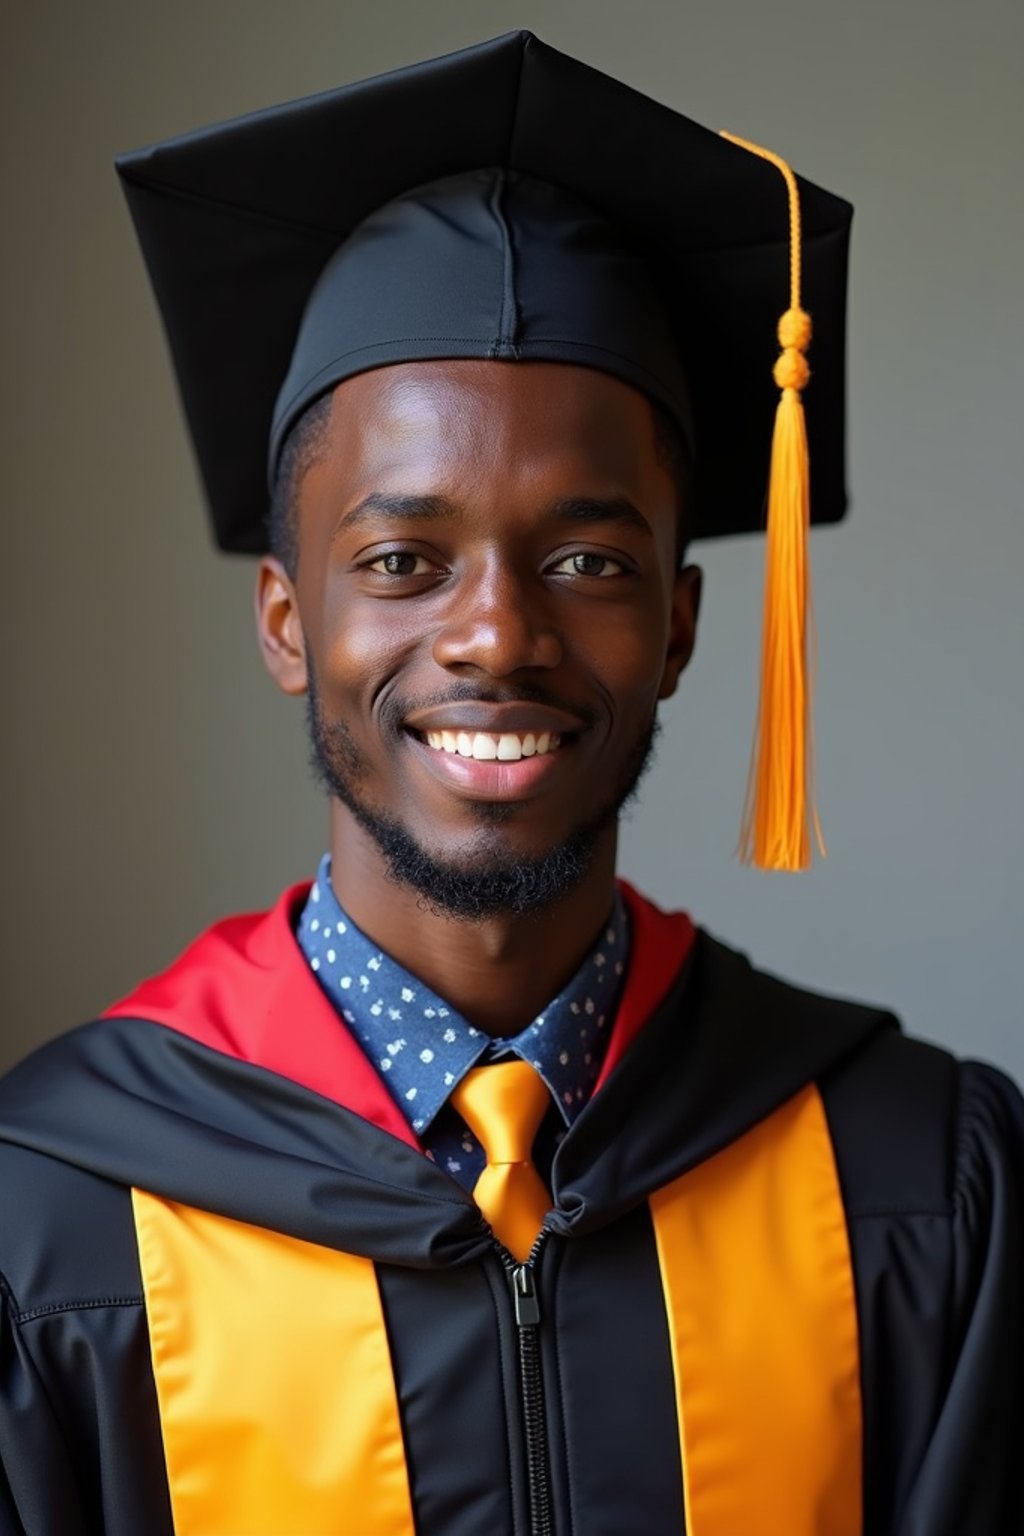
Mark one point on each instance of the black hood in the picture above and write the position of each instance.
(140, 1104)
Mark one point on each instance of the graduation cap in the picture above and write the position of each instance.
(509, 202)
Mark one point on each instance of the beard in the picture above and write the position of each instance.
(513, 885)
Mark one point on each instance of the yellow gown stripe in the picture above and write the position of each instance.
(755, 1264)
(274, 1381)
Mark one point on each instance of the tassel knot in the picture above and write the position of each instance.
(792, 370)
(795, 329)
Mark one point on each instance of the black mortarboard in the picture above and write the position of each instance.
(238, 222)
(505, 201)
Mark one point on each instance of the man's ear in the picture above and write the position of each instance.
(279, 627)
(686, 595)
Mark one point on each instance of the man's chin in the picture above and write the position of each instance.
(485, 880)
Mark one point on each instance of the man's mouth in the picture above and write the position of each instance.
(494, 751)
(488, 747)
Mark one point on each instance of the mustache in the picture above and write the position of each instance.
(394, 708)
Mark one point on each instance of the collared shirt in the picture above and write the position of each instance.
(422, 1047)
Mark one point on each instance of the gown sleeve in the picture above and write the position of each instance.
(970, 1481)
(38, 1494)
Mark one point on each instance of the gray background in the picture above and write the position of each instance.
(152, 777)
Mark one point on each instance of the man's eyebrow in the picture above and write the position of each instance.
(593, 509)
(378, 505)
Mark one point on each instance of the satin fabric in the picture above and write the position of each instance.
(755, 1263)
(503, 1105)
(273, 1375)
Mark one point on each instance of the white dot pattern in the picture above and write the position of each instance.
(422, 1048)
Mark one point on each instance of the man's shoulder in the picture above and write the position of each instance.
(911, 1122)
(918, 1131)
(66, 1222)
(66, 1236)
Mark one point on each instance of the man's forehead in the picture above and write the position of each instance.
(463, 417)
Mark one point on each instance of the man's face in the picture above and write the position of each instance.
(487, 608)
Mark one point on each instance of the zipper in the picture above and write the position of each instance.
(523, 1284)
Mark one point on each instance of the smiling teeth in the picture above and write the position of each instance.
(485, 748)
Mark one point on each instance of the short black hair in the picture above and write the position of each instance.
(299, 451)
(305, 442)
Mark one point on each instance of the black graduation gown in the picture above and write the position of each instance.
(930, 1157)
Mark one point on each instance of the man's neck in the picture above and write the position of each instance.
(499, 973)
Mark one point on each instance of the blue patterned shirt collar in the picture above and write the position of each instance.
(422, 1048)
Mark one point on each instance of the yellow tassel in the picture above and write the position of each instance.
(779, 814)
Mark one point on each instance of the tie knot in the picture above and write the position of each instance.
(503, 1105)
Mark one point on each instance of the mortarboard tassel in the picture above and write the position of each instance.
(779, 812)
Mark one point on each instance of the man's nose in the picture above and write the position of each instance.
(499, 622)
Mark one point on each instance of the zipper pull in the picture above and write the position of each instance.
(524, 1295)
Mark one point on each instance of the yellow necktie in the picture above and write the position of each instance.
(503, 1106)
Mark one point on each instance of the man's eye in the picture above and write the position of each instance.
(587, 564)
(399, 562)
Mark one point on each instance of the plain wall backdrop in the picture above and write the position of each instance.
(152, 777)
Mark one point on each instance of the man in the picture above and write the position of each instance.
(465, 1191)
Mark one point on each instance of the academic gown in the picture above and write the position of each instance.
(228, 1087)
